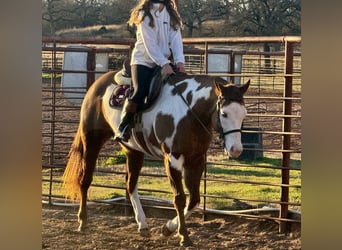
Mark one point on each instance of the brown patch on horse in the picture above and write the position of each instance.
(180, 88)
(193, 144)
(230, 92)
(164, 126)
(197, 141)
(189, 97)
(178, 77)
(204, 80)
(233, 93)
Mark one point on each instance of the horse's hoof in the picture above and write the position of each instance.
(186, 243)
(145, 232)
(165, 231)
(81, 228)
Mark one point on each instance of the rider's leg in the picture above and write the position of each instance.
(141, 76)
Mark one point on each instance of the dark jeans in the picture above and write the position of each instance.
(141, 78)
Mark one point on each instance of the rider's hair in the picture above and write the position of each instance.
(146, 6)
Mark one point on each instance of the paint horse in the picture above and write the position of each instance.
(176, 129)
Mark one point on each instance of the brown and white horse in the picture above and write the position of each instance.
(177, 129)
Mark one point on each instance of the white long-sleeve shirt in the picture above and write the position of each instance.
(153, 45)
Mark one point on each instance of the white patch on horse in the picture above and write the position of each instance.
(138, 210)
(172, 225)
(177, 163)
(177, 108)
(234, 115)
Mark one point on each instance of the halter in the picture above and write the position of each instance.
(219, 125)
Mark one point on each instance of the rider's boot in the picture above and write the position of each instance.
(127, 116)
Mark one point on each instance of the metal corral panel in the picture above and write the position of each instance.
(74, 84)
(220, 63)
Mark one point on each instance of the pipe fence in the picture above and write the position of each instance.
(265, 181)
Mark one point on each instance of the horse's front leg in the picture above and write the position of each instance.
(174, 171)
(134, 162)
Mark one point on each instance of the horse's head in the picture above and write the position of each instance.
(231, 113)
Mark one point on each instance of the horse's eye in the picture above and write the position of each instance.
(224, 114)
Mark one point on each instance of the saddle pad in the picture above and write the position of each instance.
(119, 95)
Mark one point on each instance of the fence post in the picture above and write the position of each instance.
(287, 110)
(53, 117)
(91, 66)
(205, 189)
(232, 66)
(206, 56)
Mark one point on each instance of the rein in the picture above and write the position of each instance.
(187, 104)
(222, 134)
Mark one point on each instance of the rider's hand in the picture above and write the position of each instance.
(181, 68)
(166, 71)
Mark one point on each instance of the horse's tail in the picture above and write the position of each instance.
(74, 170)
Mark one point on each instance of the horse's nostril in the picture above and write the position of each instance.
(235, 151)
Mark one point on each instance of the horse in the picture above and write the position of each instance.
(177, 128)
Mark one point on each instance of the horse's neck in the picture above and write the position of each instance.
(205, 110)
(208, 112)
(214, 119)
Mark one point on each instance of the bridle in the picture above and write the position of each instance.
(219, 125)
(218, 111)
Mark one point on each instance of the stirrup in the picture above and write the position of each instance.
(124, 135)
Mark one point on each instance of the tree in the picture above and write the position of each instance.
(87, 12)
(116, 11)
(242, 17)
(54, 12)
(195, 12)
(266, 18)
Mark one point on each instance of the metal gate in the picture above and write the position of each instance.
(271, 132)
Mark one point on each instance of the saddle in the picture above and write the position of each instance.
(124, 87)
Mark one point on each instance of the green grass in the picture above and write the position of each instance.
(118, 158)
(224, 183)
(49, 75)
(249, 191)
(249, 173)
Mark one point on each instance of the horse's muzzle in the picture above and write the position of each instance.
(235, 151)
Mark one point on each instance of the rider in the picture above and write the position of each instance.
(158, 33)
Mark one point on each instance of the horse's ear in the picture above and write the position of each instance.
(244, 87)
(219, 83)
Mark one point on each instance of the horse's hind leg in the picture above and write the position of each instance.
(134, 162)
(174, 167)
(93, 143)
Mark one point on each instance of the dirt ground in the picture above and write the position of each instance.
(109, 228)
